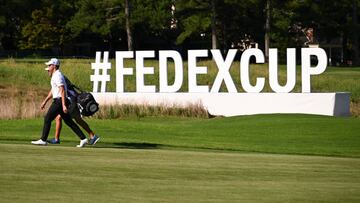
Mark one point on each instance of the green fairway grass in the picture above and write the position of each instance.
(67, 174)
(262, 158)
(289, 134)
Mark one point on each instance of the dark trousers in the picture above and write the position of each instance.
(54, 110)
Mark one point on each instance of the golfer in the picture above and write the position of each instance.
(59, 104)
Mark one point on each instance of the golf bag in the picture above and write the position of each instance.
(87, 104)
(85, 101)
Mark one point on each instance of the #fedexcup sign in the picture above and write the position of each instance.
(229, 103)
(223, 65)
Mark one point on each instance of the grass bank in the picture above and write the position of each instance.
(24, 81)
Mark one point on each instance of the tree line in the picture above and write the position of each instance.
(82, 26)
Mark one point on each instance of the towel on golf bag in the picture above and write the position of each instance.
(87, 104)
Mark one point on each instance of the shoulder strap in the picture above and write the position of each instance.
(77, 88)
(71, 86)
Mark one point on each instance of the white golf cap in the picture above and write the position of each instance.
(53, 61)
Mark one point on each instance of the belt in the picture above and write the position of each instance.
(57, 99)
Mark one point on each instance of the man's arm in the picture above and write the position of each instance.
(62, 92)
(48, 97)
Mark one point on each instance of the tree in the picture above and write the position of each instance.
(213, 24)
(99, 20)
(267, 29)
(145, 24)
(46, 29)
(13, 15)
(331, 22)
(2, 23)
(355, 35)
(112, 20)
(194, 18)
(128, 28)
(151, 21)
(239, 20)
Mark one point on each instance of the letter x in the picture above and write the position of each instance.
(224, 67)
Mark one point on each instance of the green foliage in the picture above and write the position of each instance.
(150, 22)
(193, 24)
(13, 15)
(154, 15)
(106, 19)
(100, 17)
(47, 26)
(194, 18)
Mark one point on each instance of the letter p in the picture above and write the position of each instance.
(307, 70)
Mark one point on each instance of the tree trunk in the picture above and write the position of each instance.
(224, 44)
(355, 36)
(110, 41)
(128, 28)
(267, 29)
(213, 25)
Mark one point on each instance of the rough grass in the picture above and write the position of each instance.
(20, 103)
(355, 108)
(140, 111)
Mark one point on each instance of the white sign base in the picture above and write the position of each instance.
(236, 104)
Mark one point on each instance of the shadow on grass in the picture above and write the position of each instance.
(130, 145)
(120, 145)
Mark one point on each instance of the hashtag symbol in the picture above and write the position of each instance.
(97, 66)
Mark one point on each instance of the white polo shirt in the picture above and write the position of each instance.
(57, 80)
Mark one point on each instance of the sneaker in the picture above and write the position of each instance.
(54, 141)
(39, 142)
(82, 143)
(94, 140)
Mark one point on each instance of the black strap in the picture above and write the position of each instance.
(76, 87)
(71, 86)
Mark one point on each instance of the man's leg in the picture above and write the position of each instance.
(68, 121)
(84, 125)
(93, 138)
(49, 117)
(58, 121)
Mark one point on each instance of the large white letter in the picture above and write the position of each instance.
(193, 70)
(224, 67)
(163, 74)
(291, 71)
(97, 66)
(141, 70)
(244, 70)
(121, 70)
(307, 70)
